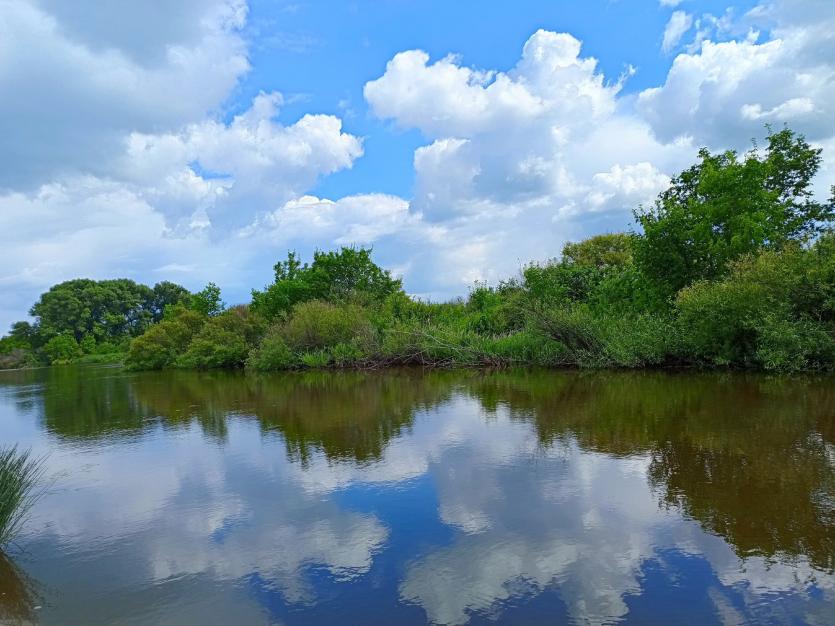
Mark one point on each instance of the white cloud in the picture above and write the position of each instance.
(669, 3)
(360, 219)
(77, 80)
(722, 93)
(519, 161)
(680, 22)
(116, 159)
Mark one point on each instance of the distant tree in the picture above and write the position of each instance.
(106, 309)
(207, 301)
(601, 251)
(21, 337)
(334, 276)
(726, 206)
(165, 294)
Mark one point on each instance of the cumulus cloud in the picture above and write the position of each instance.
(360, 219)
(118, 159)
(722, 93)
(529, 155)
(76, 80)
(253, 160)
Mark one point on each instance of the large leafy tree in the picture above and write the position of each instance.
(727, 205)
(165, 294)
(105, 310)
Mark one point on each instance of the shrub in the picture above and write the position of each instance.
(271, 354)
(214, 347)
(16, 358)
(523, 347)
(316, 358)
(62, 349)
(224, 341)
(160, 346)
(787, 345)
(770, 311)
(20, 474)
(346, 354)
(346, 275)
(316, 324)
(495, 311)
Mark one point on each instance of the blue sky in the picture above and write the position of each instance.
(201, 140)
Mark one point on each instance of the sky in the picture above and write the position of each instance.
(201, 140)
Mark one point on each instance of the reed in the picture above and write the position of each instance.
(20, 479)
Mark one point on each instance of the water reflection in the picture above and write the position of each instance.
(408, 496)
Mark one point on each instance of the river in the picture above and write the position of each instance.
(412, 497)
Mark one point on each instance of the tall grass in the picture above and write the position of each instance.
(20, 477)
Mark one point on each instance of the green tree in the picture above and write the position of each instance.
(163, 343)
(726, 206)
(165, 294)
(334, 276)
(600, 251)
(207, 301)
(106, 309)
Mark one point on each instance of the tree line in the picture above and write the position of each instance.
(732, 266)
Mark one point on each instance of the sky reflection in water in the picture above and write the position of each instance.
(407, 497)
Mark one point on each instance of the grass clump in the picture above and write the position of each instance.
(20, 476)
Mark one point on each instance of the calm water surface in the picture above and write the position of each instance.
(408, 497)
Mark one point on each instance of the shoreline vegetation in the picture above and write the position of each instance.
(733, 266)
(20, 477)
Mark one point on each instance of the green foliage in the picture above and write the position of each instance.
(224, 341)
(316, 324)
(522, 347)
(316, 358)
(727, 206)
(207, 301)
(773, 310)
(101, 316)
(103, 309)
(347, 354)
(62, 349)
(160, 346)
(727, 272)
(20, 475)
(16, 358)
(271, 354)
(19, 338)
(348, 274)
(600, 251)
(495, 311)
(167, 294)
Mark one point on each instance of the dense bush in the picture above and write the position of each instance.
(271, 354)
(62, 349)
(773, 310)
(160, 346)
(223, 341)
(316, 325)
